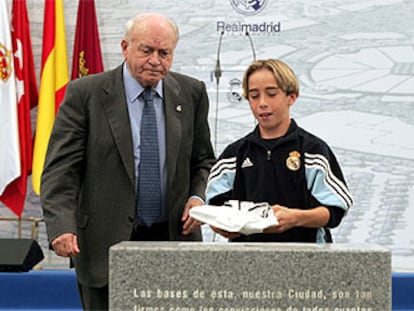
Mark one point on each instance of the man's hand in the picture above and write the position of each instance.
(66, 245)
(190, 224)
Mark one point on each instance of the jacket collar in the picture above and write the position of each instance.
(290, 135)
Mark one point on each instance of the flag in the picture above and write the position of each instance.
(53, 80)
(15, 194)
(9, 136)
(87, 58)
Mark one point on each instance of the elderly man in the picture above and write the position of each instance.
(99, 184)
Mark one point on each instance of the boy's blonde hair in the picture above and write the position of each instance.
(284, 75)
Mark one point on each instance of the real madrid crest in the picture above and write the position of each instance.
(293, 161)
(234, 95)
(5, 63)
(248, 7)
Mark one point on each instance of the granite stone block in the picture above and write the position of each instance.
(174, 276)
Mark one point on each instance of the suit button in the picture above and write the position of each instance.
(130, 219)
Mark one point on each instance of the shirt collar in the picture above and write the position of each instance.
(133, 89)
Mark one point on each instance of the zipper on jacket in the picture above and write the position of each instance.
(269, 155)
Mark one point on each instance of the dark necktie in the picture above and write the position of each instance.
(149, 182)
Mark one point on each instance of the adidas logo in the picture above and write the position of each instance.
(247, 163)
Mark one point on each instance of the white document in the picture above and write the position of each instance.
(236, 216)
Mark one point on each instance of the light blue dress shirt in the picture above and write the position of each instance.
(135, 104)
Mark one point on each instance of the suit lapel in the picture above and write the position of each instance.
(114, 104)
(173, 119)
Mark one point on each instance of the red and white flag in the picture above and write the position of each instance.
(15, 194)
(9, 137)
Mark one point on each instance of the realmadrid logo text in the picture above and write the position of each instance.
(248, 7)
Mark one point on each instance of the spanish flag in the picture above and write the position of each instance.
(53, 80)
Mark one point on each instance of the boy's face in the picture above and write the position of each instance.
(270, 104)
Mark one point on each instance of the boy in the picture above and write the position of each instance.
(280, 163)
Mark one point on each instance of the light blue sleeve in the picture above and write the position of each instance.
(221, 178)
(325, 186)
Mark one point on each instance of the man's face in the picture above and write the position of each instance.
(149, 53)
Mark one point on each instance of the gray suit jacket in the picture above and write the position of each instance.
(88, 182)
